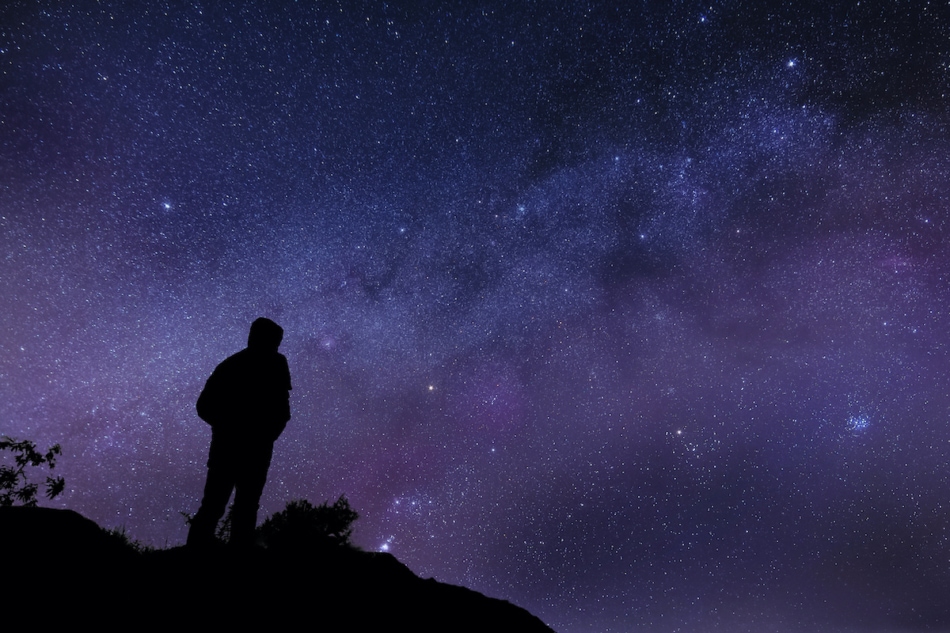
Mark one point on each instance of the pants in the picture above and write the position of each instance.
(239, 464)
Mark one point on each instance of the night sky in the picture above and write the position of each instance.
(631, 313)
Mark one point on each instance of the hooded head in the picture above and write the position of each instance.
(265, 335)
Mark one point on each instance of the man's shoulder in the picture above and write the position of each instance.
(252, 358)
(234, 365)
(233, 359)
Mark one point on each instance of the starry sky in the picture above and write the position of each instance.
(631, 313)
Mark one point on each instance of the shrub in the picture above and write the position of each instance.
(120, 537)
(301, 526)
(13, 486)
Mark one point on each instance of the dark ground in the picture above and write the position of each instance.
(340, 589)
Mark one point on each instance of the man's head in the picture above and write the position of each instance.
(265, 334)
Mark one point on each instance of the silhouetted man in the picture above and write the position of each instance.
(247, 403)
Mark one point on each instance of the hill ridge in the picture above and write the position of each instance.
(60, 559)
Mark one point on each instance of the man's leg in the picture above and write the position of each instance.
(247, 495)
(218, 487)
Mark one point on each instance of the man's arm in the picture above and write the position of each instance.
(283, 415)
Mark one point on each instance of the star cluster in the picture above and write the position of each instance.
(633, 314)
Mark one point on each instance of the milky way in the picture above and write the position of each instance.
(634, 317)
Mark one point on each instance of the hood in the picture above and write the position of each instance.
(265, 334)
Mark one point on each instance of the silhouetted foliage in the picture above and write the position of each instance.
(120, 536)
(13, 486)
(301, 526)
(222, 532)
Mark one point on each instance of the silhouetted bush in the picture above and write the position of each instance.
(13, 486)
(120, 537)
(301, 526)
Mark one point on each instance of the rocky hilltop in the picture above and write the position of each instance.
(58, 563)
